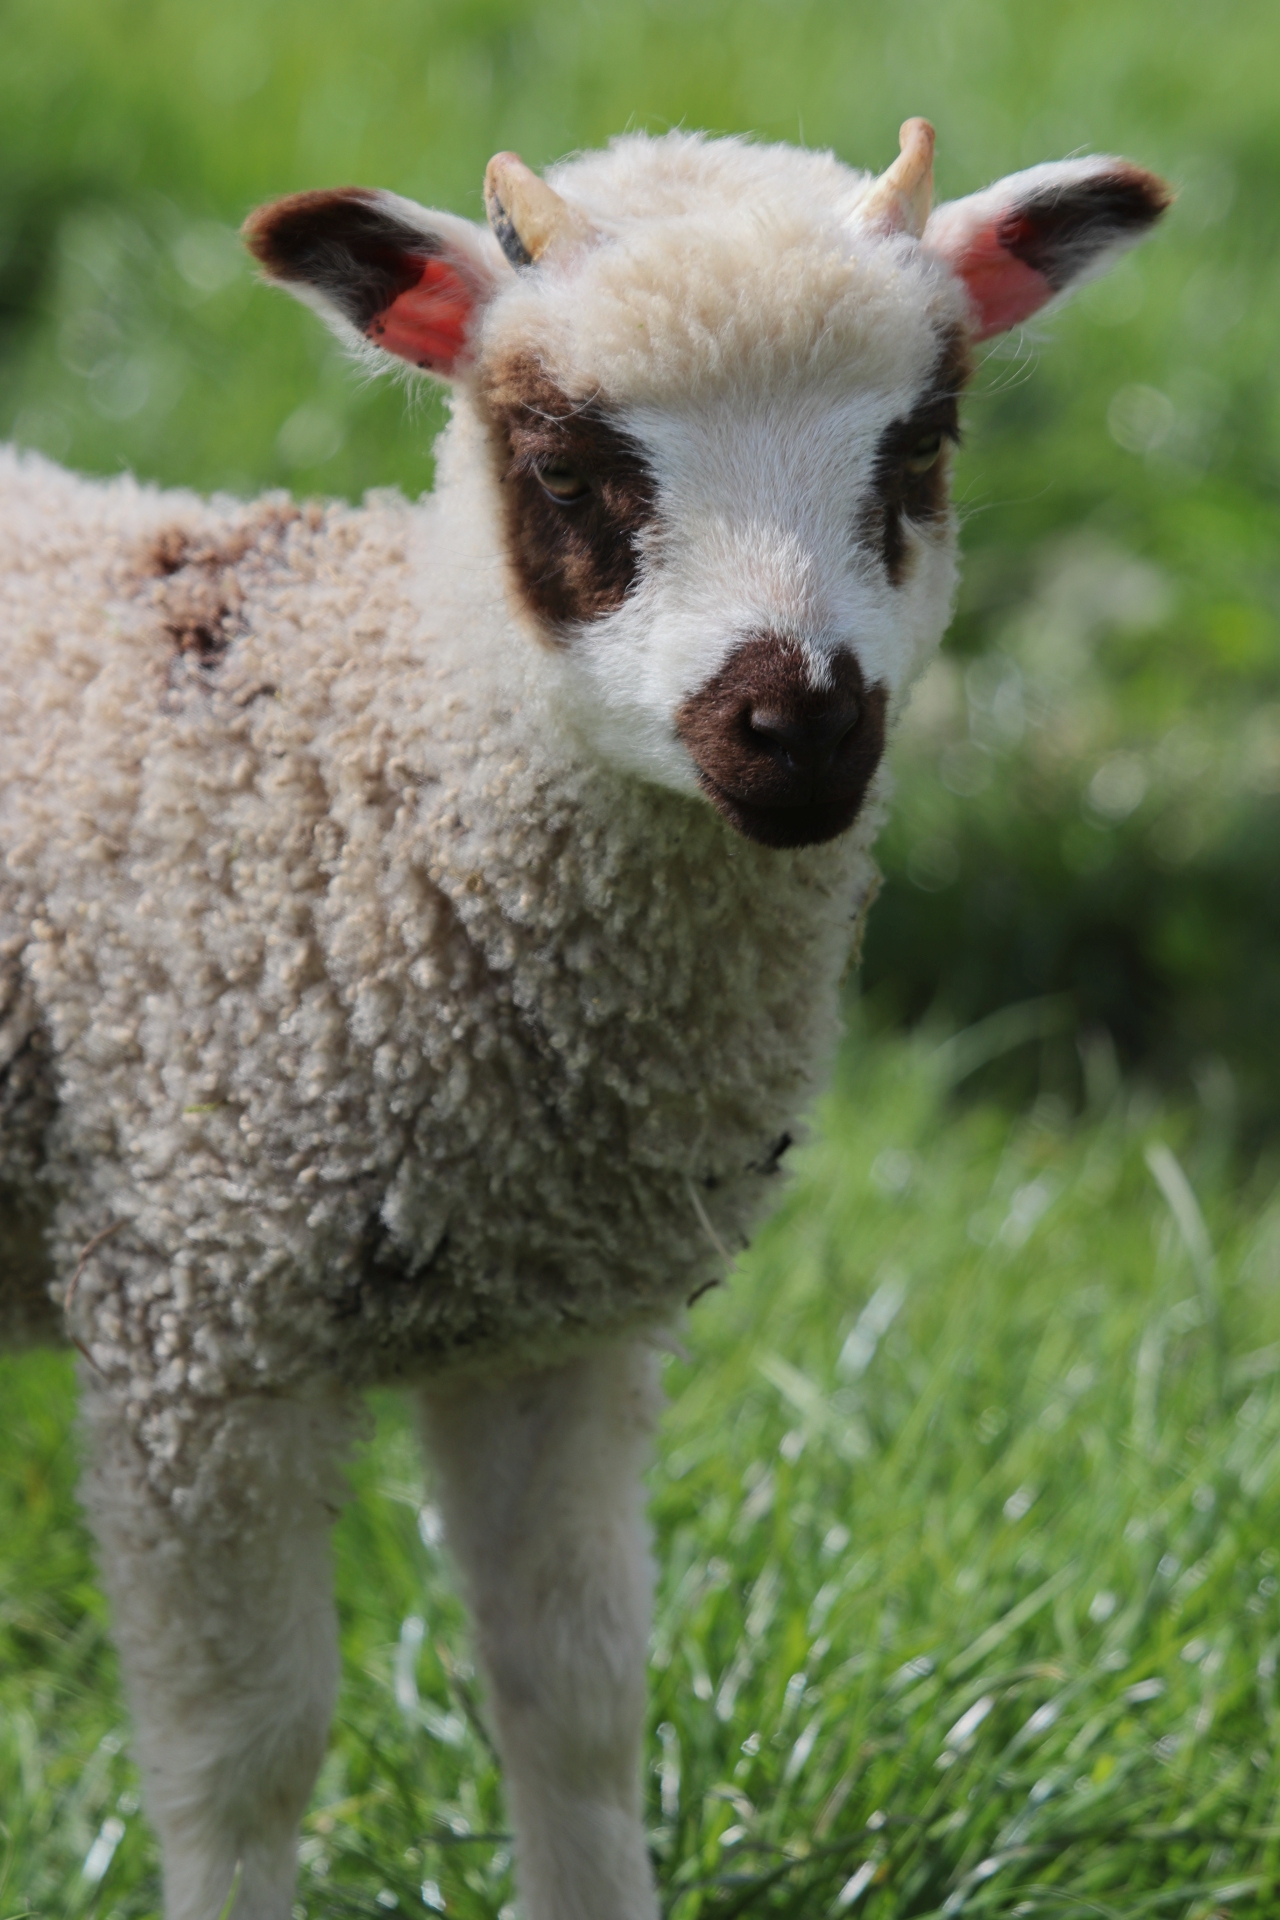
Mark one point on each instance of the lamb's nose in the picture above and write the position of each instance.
(810, 742)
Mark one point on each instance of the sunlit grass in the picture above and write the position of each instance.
(967, 1506)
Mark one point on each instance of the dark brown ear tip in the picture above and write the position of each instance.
(255, 231)
(271, 231)
(274, 232)
(1154, 195)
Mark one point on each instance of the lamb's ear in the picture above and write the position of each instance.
(1019, 244)
(383, 270)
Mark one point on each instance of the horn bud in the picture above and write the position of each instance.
(528, 217)
(898, 202)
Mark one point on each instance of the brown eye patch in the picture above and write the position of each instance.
(911, 477)
(576, 493)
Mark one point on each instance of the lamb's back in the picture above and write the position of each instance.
(178, 680)
(65, 544)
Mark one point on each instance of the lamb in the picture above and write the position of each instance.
(421, 925)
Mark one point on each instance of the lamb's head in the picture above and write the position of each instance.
(718, 387)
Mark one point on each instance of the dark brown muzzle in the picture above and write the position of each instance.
(786, 762)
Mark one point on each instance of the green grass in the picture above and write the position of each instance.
(967, 1506)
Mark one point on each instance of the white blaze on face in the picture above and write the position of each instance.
(768, 519)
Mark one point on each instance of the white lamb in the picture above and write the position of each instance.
(421, 925)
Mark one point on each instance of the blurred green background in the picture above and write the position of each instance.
(1090, 785)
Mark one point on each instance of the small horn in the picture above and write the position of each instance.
(527, 216)
(898, 202)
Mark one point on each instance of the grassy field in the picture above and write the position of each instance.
(967, 1500)
(968, 1511)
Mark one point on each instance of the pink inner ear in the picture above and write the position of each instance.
(1003, 288)
(427, 324)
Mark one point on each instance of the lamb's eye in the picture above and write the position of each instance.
(924, 454)
(562, 482)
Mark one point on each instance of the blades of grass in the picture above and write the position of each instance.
(1166, 1170)
(1017, 1616)
(1013, 1026)
(228, 1905)
(849, 1437)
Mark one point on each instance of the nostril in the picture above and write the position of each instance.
(770, 726)
(806, 741)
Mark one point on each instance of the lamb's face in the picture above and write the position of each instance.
(740, 585)
(721, 420)
(717, 387)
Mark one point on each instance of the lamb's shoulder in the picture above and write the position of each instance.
(111, 594)
(202, 772)
(139, 628)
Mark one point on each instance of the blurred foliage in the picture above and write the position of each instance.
(1089, 788)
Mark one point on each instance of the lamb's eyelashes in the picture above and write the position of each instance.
(566, 485)
(925, 454)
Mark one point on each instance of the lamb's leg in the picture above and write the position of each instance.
(544, 1510)
(221, 1594)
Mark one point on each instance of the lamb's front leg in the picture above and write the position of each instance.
(544, 1510)
(217, 1569)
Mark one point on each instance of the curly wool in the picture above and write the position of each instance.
(733, 267)
(389, 1032)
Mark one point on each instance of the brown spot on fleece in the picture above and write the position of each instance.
(199, 591)
(898, 494)
(573, 559)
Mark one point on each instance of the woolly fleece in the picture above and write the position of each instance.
(388, 1033)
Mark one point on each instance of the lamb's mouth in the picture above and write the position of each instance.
(807, 824)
